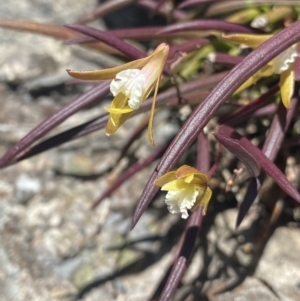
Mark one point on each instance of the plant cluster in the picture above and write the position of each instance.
(254, 55)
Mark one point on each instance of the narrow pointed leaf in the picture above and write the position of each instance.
(55, 31)
(189, 45)
(109, 73)
(142, 33)
(249, 40)
(180, 264)
(190, 3)
(249, 198)
(220, 25)
(297, 64)
(224, 58)
(109, 39)
(280, 124)
(234, 143)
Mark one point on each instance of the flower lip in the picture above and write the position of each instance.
(130, 82)
(187, 190)
(181, 201)
(282, 62)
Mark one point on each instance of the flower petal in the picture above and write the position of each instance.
(203, 200)
(186, 170)
(287, 86)
(150, 124)
(117, 119)
(123, 110)
(177, 185)
(168, 177)
(263, 72)
(249, 40)
(157, 63)
(110, 73)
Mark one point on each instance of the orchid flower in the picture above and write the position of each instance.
(131, 84)
(283, 64)
(187, 189)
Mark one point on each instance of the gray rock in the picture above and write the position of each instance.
(26, 187)
(26, 56)
(250, 289)
(279, 265)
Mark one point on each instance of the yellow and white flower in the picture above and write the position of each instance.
(131, 84)
(283, 64)
(187, 190)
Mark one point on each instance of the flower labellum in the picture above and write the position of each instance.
(283, 64)
(187, 190)
(131, 84)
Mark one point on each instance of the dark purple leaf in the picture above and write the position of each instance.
(180, 263)
(267, 110)
(232, 141)
(251, 194)
(278, 129)
(58, 32)
(220, 25)
(290, 142)
(190, 3)
(224, 58)
(297, 64)
(141, 33)
(217, 160)
(109, 39)
(189, 45)
(203, 157)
